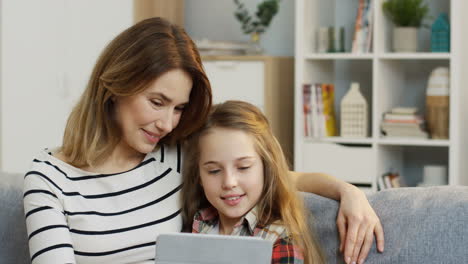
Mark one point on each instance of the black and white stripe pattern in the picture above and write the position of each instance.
(75, 216)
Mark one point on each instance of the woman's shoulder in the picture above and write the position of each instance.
(168, 154)
(52, 155)
(167, 150)
(51, 162)
(60, 156)
(45, 171)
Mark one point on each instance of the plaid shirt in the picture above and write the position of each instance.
(284, 250)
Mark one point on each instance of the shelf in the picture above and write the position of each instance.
(409, 161)
(413, 142)
(387, 56)
(387, 80)
(339, 56)
(382, 141)
(342, 140)
(415, 56)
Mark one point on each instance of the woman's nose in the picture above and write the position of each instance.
(164, 123)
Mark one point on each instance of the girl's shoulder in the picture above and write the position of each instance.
(272, 232)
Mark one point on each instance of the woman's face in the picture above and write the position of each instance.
(150, 115)
(231, 173)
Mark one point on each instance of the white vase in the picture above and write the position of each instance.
(405, 39)
(255, 48)
(354, 113)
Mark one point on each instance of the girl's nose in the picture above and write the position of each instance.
(229, 180)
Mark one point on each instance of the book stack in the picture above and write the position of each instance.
(319, 110)
(389, 180)
(363, 27)
(403, 122)
(208, 47)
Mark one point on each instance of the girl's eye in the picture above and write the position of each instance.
(214, 171)
(244, 168)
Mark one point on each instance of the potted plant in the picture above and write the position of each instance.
(407, 15)
(257, 25)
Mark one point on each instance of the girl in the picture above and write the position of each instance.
(236, 183)
(114, 184)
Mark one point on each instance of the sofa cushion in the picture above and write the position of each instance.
(421, 225)
(13, 236)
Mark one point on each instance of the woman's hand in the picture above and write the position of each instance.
(357, 221)
(357, 225)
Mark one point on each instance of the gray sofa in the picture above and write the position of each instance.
(421, 225)
(13, 237)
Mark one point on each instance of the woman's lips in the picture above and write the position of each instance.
(151, 137)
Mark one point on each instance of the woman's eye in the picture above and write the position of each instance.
(180, 109)
(156, 103)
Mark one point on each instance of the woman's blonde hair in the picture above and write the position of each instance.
(279, 201)
(129, 63)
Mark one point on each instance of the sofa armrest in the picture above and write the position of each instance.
(13, 235)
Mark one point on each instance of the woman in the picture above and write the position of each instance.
(113, 185)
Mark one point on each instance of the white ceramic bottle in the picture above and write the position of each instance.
(354, 113)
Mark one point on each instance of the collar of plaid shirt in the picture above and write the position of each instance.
(207, 219)
(284, 250)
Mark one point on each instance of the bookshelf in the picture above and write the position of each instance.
(387, 80)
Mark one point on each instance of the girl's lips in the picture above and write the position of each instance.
(151, 137)
(232, 200)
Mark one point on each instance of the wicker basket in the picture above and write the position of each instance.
(437, 103)
(437, 115)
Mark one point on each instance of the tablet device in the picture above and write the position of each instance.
(187, 248)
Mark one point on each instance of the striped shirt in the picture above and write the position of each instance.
(284, 249)
(74, 216)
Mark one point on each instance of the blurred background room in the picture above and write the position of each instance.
(350, 87)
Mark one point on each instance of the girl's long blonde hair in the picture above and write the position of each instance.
(129, 63)
(279, 201)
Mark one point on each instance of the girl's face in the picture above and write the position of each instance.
(231, 173)
(148, 116)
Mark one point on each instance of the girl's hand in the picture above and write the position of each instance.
(357, 224)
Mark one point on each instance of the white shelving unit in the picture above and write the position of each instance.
(387, 80)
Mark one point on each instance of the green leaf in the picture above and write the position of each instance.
(264, 14)
(406, 13)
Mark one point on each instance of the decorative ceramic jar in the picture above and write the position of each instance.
(354, 113)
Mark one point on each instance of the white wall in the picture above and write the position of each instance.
(214, 19)
(48, 49)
